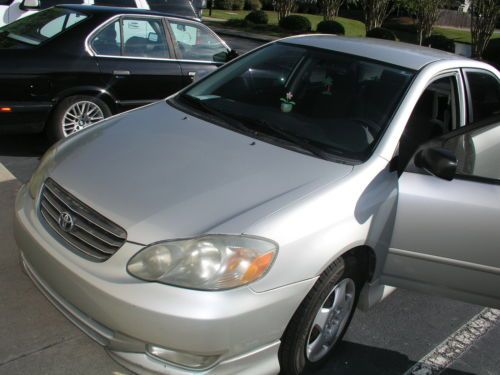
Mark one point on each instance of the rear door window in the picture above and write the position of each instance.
(484, 92)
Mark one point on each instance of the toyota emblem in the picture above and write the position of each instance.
(65, 221)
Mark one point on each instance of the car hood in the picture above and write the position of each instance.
(162, 174)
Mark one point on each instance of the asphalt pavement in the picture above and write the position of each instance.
(389, 339)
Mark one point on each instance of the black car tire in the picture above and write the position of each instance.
(292, 354)
(54, 128)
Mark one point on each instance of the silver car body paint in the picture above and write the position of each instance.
(162, 174)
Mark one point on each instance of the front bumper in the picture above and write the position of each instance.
(125, 314)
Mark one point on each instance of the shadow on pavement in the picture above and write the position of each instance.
(23, 144)
(357, 359)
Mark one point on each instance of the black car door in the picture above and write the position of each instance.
(199, 49)
(136, 60)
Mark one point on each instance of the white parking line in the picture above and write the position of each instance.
(456, 344)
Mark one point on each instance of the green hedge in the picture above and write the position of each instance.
(381, 33)
(330, 27)
(223, 4)
(296, 23)
(257, 16)
(440, 42)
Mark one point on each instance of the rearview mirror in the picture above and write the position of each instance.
(439, 162)
(30, 4)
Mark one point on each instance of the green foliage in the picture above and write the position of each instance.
(330, 27)
(295, 23)
(253, 5)
(440, 42)
(381, 33)
(267, 4)
(238, 4)
(223, 4)
(237, 22)
(308, 7)
(257, 16)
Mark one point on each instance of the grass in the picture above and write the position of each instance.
(405, 33)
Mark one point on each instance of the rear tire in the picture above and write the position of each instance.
(317, 327)
(75, 113)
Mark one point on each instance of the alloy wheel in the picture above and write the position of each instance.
(81, 115)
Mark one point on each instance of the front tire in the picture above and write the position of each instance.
(75, 113)
(322, 318)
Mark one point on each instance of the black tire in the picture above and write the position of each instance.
(54, 128)
(292, 353)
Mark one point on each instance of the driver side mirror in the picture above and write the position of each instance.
(30, 4)
(438, 161)
(225, 56)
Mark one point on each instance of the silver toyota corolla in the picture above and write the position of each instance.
(234, 227)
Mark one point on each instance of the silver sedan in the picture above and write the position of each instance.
(234, 227)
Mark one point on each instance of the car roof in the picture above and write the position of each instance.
(401, 54)
(111, 11)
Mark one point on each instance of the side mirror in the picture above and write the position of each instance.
(439, 162)
(30, 4)
(231, 55)
(225, 56)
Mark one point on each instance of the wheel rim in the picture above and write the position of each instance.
(81, 115)
(330, 320)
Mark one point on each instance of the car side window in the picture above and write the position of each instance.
(107, 42)
(60, 24)
(144, 37)
(436, 113)
(484, 92)
(6, 2)
(477, 152)
(195, 42)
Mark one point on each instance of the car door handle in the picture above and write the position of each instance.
(121, 72)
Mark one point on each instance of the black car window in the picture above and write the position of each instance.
(179, 7)
(39, 27)
(144, 37)
(116, 3)
(485, 95)
(6, 2)
(44, 4)
(195, 42)
(108, 41)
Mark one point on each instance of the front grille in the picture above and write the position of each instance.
(88, 232)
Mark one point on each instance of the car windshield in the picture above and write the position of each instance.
(38, 28)
(320, 102)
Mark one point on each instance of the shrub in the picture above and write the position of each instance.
(223, 4)
(492, 53)
(330, 27)
(267, 4)
(381, 33)
(257, 16)
(238, 4)
(440, 42)
(296, 23)
(253, 5)
(237, 22)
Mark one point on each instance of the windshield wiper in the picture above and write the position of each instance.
(284, 135)
(228, 120)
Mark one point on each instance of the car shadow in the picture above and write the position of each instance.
(23, 144)
(357, 359)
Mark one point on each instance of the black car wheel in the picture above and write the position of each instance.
(75, 113)
(321, 320)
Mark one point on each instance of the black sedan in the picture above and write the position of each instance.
(68, 67)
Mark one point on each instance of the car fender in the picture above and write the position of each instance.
(96, 91)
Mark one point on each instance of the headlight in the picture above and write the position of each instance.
(211, 262)
(38, 177)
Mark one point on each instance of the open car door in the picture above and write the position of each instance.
(446, 236)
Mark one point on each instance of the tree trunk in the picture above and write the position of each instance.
(375, 12)
(483, 17)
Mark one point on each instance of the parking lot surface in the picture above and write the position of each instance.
(37, 339)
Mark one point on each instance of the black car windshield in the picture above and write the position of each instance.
(321, 101)
(38, 28)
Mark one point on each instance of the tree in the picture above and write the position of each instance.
(427, 13)
(483, 18)
(375, 12)
(283, 8)
(331, 9)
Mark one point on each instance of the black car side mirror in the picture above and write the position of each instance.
(225, 56)
(231, 55)
(29, 4)
(439, 162)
